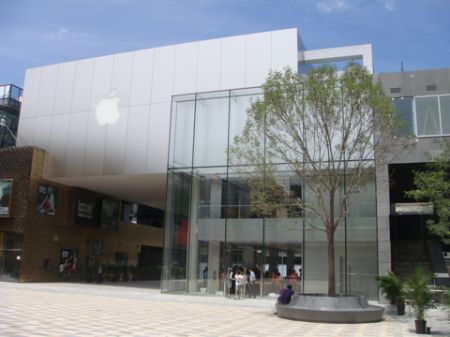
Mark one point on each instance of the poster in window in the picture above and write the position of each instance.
(6, 186)
(68, 261)
(46, 200)
(110, 214)
(97, 247)
(86, 210)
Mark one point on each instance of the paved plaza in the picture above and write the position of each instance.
(69, 310)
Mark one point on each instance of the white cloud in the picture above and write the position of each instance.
(58, 34)
(63, 31)
(333, 5)
(389, 5)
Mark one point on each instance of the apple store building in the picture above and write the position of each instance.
(153, 127)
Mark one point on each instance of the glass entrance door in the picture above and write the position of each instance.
(245, 258)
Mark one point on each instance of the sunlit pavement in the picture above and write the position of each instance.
(67, 310)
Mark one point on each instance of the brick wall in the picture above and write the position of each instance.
(45, 235)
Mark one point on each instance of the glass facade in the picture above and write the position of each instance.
(212, 226)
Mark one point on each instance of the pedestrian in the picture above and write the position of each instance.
(232, 281)
(276, 280)
(205, 276)
(243, 284)
(252, 284)
(99, 273)
(238, 278)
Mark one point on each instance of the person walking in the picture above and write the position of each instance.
(252, 283)
(238, 279)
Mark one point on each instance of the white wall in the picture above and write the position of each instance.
(59, 100)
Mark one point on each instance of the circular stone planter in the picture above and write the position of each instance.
(327, 309)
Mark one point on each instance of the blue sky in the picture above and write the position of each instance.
(36, 33)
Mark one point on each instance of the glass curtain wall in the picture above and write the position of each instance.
(213, 227)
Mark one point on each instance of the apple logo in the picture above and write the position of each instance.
(106, 110)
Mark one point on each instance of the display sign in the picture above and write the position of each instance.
(46, 200)
(413, 208)
(87, 209)
(110, 214)
(6, 186)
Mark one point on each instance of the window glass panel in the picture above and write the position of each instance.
(445, 113)
(207, 231)
(211, 132)
(176, 230)
(361, 224)
(182, 131)
(15, 92)
(6, 90)
(240, 102)
(244, 230)
(403, 108)
(427, 116)
(283, 230)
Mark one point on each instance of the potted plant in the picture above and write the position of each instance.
(394, 288)
(420, 296)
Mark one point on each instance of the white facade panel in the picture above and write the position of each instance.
(142, 77)
(209, 63)
(82, 87)
(145, 82)
(158, 138)
(186, 66)
(95, 147)
(41, 132)
(76, 144)
(121, 77)
(101, 85)
(258, 62)
(284, 49)
(46, 100)
(137, 134)
(31, 93)
(116, 136)
(64, 87)
(163, 74)
(26, 131)
(58, 142)
(233, 63)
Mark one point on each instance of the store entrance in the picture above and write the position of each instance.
(246, 259)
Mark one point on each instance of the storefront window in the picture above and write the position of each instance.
(224, 214)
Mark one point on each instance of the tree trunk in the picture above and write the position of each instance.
(331, 267)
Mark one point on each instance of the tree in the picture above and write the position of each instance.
(325, 127)
(433, 185)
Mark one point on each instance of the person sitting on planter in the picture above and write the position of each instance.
(285, 295)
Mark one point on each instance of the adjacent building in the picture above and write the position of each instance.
(422, 99)
(10, 98)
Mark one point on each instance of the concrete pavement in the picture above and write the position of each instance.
(69, 310)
